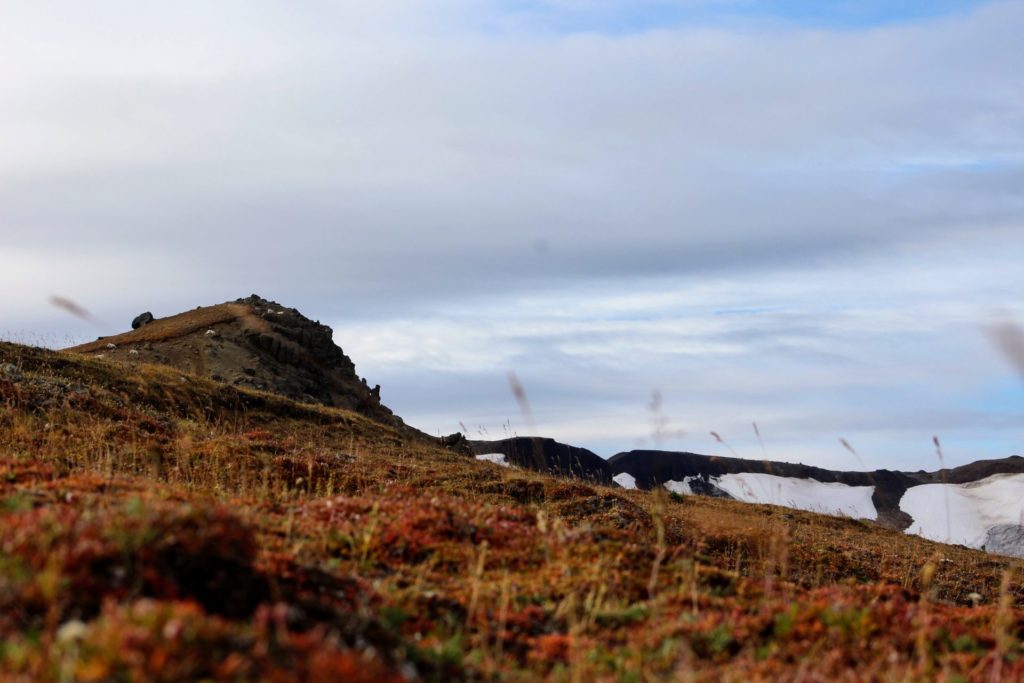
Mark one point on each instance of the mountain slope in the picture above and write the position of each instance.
(160, 526)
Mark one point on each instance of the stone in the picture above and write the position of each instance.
(10, 371)
(453, 440)
(141, 320)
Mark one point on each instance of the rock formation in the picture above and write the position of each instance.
(250, 342)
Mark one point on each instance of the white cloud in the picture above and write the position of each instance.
(886, 352)
(800, 222)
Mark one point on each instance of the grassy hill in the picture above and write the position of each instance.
(155, 525)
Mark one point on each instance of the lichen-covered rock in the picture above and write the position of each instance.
(10, 371)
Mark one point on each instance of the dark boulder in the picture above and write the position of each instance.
(456, 442)
(142, 320)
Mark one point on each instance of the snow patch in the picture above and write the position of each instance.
(681, 487)
(496, 458)
(977, 514)
(830, 498)
(625, 480)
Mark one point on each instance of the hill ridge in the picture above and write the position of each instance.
(699, 474)
(251, 342)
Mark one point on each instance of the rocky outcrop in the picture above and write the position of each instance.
(251, 342)
(549, 456)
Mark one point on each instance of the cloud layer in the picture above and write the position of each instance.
(606, 204)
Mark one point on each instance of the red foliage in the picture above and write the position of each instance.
(552, 648)
(412, 528)
(14, 472)
(173, 641)
(68, 559)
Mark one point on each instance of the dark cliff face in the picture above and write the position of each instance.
(550, 456)
(301, 360)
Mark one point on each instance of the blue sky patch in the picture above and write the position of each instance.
(633, 17)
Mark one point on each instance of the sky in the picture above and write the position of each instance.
(665, 218)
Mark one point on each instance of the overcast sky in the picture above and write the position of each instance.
(802, 214)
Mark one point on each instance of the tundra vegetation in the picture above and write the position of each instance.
(158, 526)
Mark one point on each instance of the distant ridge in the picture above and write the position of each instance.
(653, 468)
(988, 495)
(550, 456)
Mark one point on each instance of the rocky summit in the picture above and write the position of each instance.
(251, 343)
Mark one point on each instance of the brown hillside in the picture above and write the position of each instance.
(158, 526)
(251, 343)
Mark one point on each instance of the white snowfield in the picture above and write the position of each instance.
(496, 458)
(802, 494)
(681, 487)
(625, 480)
(988, 513)
(830, 498)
